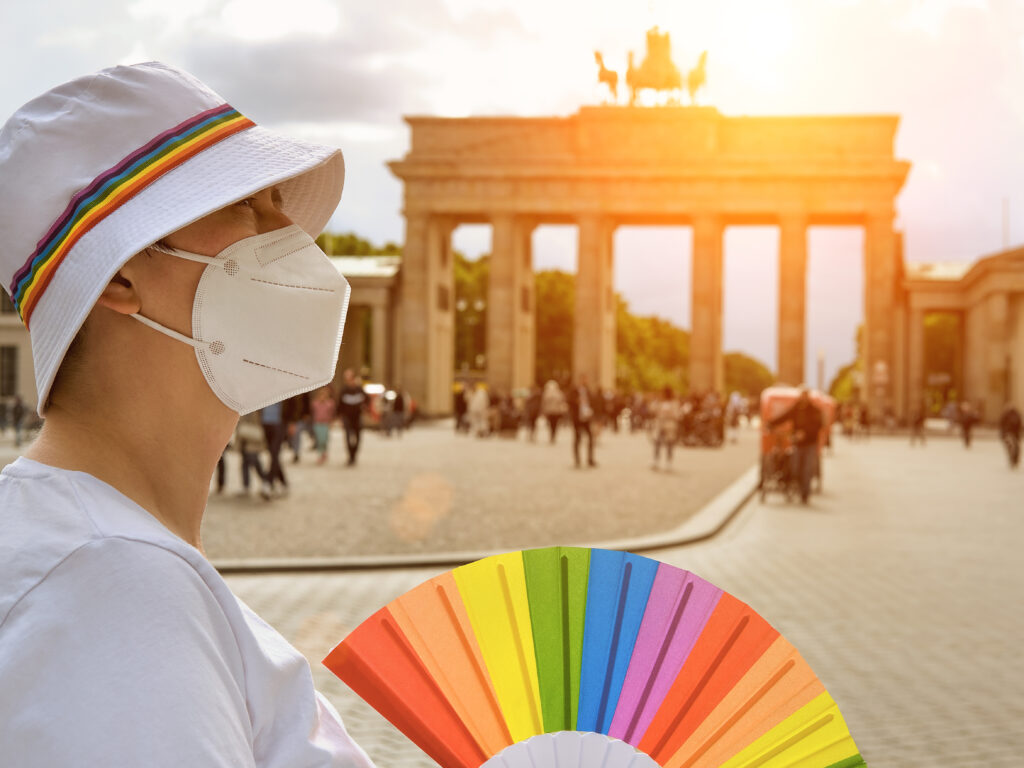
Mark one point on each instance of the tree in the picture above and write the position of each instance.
(554, 299)
(472, 279)
(746, 375)
(651, 352)
(844, 385)
(351, 244)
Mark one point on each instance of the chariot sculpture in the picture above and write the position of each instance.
(657, 72)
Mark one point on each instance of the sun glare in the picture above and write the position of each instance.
(754, 39)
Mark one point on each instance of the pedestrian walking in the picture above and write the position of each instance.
(479, 408)
(352, 402)
(298, 421)
(917, 426)
(460, 404)
(251, 441)
(531, 412)
(322, 410)
(1009, 432)
(159, 247)
(397, 415)
(581, 411)
(968, 418)
(553, 407)
(274, 432)
(807, 422)
(664, 427)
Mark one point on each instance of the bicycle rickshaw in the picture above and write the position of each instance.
(776, 443)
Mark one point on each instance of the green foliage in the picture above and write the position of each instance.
(746, 375)
(844, 384)
(554, 299)
(351, 244)
(471, 281)
(651, 352)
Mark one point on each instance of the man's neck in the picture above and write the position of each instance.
(158, 460)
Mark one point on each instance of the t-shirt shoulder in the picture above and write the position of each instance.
(162, 682)
(46, 514)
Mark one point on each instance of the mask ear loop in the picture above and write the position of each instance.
(188, 255)
(196, 343)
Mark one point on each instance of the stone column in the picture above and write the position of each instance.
(706, 367)
(880, 271)
(379, 342)
(593, 349)
(427, 323)
(353, 348)
(792, 297)
(915, 353)
(510, 310)
(997, 354)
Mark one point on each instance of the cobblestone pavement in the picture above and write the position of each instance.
(433, 491)
(901, 585)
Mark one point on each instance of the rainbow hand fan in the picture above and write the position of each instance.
(571, 658)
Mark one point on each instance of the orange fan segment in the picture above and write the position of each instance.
(776, 686)
(379, 664)
(733, 639)
(433, 619)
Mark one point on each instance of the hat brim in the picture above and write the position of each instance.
(310, 178)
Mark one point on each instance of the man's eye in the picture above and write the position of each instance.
(247, 203)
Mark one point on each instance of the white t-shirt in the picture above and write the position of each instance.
(120, 645)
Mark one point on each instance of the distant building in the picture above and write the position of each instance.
(988, 298)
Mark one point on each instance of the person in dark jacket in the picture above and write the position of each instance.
(351, 402)
(582, 411)
(1009, 432)
(297, 419)
(807, 423)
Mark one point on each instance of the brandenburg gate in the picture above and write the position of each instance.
(605, 167)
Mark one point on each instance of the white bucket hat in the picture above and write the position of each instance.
(98, 169)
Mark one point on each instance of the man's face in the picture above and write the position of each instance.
(167, 284)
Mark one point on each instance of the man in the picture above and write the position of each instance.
(159, 247)
(807, 422)
(351, 403)
(1009, 432)
(272, 421)
(581, 411)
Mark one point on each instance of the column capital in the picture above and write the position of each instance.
(792, 219)
(708, 219)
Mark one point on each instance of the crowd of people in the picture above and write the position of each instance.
(262, 435)
(699, 419)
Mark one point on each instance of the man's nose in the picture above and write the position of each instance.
(271, 218)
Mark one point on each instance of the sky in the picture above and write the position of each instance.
(344, 72)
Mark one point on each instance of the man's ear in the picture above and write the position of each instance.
(120, 295)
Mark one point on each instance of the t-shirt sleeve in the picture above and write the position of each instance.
(122, 657)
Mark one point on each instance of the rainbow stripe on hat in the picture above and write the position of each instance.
(111, 189)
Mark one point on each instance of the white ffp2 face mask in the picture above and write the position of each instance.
(267, 318)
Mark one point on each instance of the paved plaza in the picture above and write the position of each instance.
(433, 491)
(901, 585)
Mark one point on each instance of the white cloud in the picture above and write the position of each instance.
(929, 16)
(265, 20)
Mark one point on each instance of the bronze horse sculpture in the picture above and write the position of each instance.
(607, 76)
